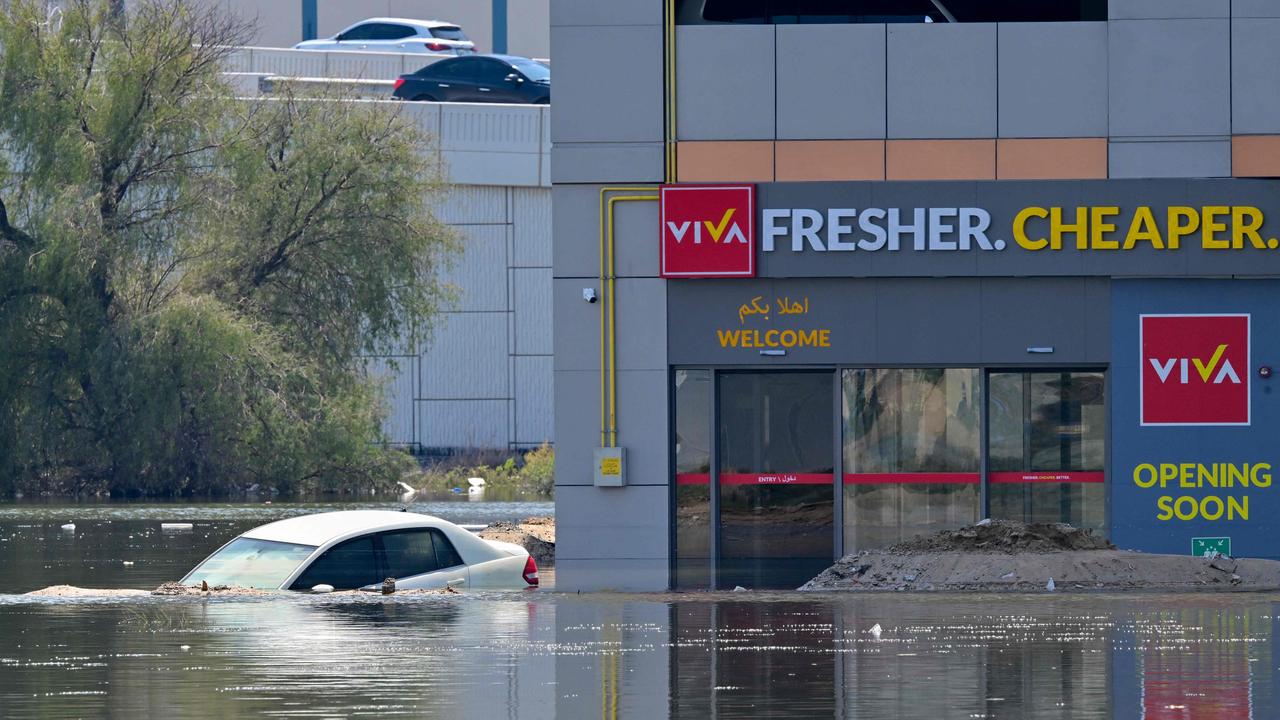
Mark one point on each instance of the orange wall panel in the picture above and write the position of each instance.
(800, 160)
(725, 161)
(940, 160)
(1255, 156)
(1052, 159)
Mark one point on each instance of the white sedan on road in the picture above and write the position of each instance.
(397, 35)
(358, 549)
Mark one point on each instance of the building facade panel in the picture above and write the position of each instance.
(578, 422)
(724, 82)
(1255, 89)
(1159, 9)
(1169, 78)
(1052, 80)
(531, 223)
(830, 82)
(625, 108)
(932, 66)
(478, 275)
(531, 309)
(609, 163)
(464, 424)
(1170, 158)
(466, 357)
(533, 400)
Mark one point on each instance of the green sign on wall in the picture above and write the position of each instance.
(1201, 547)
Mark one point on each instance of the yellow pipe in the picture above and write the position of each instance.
(604, 413)
(670, 30)
(613, 320)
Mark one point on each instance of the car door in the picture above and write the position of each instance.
(492, 84)
(349, 565)
(389, 37)
(356, 38)
(422, 558)
(446, 81)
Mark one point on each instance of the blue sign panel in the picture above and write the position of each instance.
(1209, 472)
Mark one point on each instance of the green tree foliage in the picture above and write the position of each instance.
(188, 280)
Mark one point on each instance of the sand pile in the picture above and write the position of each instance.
(535, 534)
(71, 591)
(1001, 556)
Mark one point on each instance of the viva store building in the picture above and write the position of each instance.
(828, 278)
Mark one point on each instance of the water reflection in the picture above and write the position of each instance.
(543, 654)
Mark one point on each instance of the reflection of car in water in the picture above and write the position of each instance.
(359, 549)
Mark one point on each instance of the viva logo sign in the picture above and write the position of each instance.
(708, 231)
(1195, 369)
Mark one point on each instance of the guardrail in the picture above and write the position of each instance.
(345, 64)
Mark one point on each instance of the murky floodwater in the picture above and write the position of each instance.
(546, 654)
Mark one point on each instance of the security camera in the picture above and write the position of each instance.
(589, 294)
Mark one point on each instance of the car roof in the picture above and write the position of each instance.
(320, 528)
(407, 21)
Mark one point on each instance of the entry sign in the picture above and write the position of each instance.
(708, 231)
(1202, 547)
(1195, 369)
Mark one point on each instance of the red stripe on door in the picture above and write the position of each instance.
(909, 478)
(1064, 476)
(693, 479)
(776, 479)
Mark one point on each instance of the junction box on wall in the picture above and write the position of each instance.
(610, 467)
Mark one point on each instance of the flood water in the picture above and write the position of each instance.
(536, 654)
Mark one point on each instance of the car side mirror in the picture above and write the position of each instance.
(515, 78)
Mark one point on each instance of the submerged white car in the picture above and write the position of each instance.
(358, 549)
(397, 35)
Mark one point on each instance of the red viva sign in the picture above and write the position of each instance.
(1195, 369)
(708, 231)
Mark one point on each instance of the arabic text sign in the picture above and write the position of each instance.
(758, 311)
(1194, 369)
(707, 231)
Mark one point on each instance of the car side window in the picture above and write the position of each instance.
(346, 566)
(409, 553)
(359, 32)
(492, 73)
(389, 31)
(446, 555)
(445, 70)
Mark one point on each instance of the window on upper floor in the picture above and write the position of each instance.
(780, 12)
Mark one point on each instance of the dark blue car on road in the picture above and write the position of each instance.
(479, 78)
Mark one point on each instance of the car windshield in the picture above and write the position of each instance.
(246, 562)
(536, 72)
(448, 32)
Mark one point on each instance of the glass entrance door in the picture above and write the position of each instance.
(775, 456)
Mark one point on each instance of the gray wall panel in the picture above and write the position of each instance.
(400, 385)
(1255, 81)
(575, 325)
(628, 522)
(1147, 9)
(635, 227)
(641, 317)
(479, 273)
(466, 357)
(831, 82)
(642, 424)
(610, 163)
(531, 222)
(604, 12)
(724, 82)
(575, 250)
(1169, 78)
(1053, 79)
(1097, 330)
(935, 66)
(916, 320)
(464, 423)
(623, 575)
(577, 425)
(532, 311)
(1190, 159)
(1013, 316)
(473, 205)
(1255, 9)
(620, 101)
(533, 399)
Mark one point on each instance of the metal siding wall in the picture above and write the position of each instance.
(531, 220)
(1053, 80)
(464, 423)
(942, 66)
(532, 310)
(480, 272)
(533, 400)
(1170, 78)
(467, 357)
(619, 100)
(1255, 83)
(831, 82)
(401, 389)
(473, 205)
(1170, 159)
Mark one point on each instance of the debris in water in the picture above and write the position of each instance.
(184, 647)
(175, 526)
(875, 631)
(984, 522)
(69, 527)
(1009, 575)
(1050, 586)
(127, 562)
(322, 588)
(389, 586)
(739, 588)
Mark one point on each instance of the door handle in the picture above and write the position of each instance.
(444, 85)
(456, 581)
(484, 89)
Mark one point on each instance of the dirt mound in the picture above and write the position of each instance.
(71, 591)
(998, 556)
(1006, 536)
(205, 590)
(537, 535)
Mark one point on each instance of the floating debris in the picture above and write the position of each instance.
(69, 527)
(1050, 586)
(175, 526)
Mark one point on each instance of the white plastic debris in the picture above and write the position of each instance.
(175, 526)
(322, 588)
(184, 647)
(69, 527)
(128, 562)
(476, 482)
(1050, 586)
(1009, 575)
(984, 521)
(875, 631)
(406, 487)
(739, 588)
